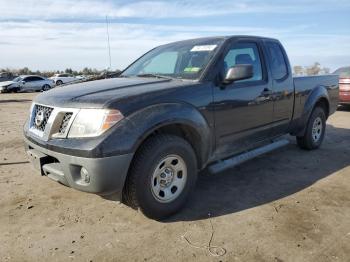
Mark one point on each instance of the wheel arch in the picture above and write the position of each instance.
(318, 97)
(324, 103)
(183, 130)
(182, 120)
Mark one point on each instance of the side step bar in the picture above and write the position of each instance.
(236, 160)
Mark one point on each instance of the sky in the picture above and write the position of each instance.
(59, 34)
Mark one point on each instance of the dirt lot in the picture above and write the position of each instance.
(289, 205)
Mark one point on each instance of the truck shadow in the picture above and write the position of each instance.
(266, 178)
(344, 108)
(15, 101)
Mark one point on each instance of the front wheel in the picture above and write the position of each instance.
(315, 130)
(162, 176)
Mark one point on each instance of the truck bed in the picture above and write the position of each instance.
(305, 85)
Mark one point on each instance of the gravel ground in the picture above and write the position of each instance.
(289, 205)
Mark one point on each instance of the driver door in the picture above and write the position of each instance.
(243, 109)
(27, 84)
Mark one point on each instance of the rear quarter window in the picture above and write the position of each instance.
(277, 61)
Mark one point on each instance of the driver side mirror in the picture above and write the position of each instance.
(238, 72)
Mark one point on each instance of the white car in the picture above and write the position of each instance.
(26, 83)
(60, 79)
(82, 77)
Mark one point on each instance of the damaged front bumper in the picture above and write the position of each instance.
(95, 175)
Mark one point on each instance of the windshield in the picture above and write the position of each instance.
(182, 60)
(17, 79)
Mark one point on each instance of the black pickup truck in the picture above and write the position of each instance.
(181, 107)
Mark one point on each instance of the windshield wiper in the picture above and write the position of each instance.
(154, 75)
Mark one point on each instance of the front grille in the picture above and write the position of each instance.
(39, 111)
(65, 122)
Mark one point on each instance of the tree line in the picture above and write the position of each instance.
(314, 69)
(48, 73)
(298, 70)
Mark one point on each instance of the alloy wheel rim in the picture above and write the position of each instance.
(317, 129)
(169, 178)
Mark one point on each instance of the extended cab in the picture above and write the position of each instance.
(181, 107)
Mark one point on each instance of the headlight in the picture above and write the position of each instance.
(4, 87)
(93, 122)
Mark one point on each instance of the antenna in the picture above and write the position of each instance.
(109, 46)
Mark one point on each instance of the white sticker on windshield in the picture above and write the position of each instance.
(200, 48)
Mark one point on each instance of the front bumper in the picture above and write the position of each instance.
(95, 175)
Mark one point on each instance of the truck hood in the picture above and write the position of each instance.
(98, 94)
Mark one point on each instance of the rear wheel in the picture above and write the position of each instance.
(59, 82)
(315, 130)
(162, 176)
(46, 87)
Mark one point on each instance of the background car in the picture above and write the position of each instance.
(82, 77)
(60, 79)
(26, 84)
(344, 85)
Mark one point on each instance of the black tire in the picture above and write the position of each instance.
(46, 87)
(59, 82)
(314, 140)
(15, 90)
(138, 192)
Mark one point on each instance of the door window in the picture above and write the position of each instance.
(244, 53)
(36, 78)
(29, 79)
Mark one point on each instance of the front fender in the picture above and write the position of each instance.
(131, 132)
